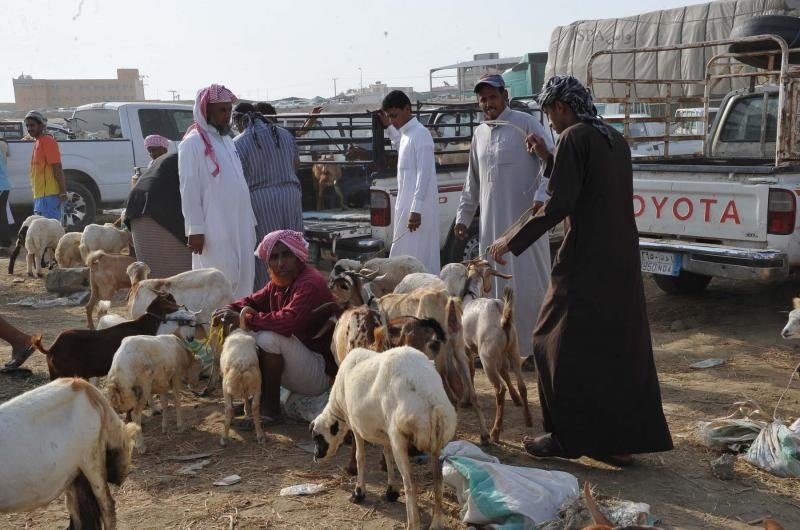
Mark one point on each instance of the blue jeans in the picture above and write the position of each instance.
(48, 206)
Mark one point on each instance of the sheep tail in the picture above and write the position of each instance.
(102, 308)
(438, 429)
(507, 320)
(37, 341)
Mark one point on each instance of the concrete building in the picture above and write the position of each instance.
(463, 75)
(30, 93)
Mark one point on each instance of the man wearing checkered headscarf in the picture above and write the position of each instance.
(592, 327)
(220, 224)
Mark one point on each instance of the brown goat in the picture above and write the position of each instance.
(88, 353)
(327, 176)
(107, 275)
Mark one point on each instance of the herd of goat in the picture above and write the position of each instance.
(430, 328)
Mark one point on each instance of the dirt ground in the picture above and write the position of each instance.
(734, 320)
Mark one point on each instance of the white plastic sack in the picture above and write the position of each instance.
(500, 496)
(303, 408)
(776, 450)
(736, 430)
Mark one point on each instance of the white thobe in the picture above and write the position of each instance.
(417, 191)
(504, 180)
(219, 208)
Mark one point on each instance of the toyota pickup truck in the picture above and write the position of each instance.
(729, 210)
(98, 162)
(361, 226)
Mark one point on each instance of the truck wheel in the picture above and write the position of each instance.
(457, 250)
(781, 25)
(685, 283)
(80, 208)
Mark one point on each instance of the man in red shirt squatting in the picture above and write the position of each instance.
(47, 178)
(282, 318)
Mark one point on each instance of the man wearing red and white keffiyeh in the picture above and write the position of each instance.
(220, 224)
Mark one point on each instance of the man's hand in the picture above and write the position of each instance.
(414, 221)
(226, 315)
(243, 317)
(498, 249)
(196, 243)
(536, 145)
(383, 117)
(460, 231)
(537, 205)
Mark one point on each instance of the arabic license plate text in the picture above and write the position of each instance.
(664, 263)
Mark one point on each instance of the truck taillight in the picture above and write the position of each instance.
(380, 213)
(782, 210)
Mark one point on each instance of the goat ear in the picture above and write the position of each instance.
(451, 314)
(500, 274)
(597, 516)
(326, 327)
(796, 303)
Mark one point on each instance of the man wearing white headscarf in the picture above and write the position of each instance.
(215, 200)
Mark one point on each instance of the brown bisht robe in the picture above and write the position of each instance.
(597, 380)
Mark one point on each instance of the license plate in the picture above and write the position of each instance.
(661, 263)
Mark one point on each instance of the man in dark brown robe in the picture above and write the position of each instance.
(598, 386)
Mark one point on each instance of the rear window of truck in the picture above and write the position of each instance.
(745, 119)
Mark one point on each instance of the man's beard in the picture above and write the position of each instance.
(223, 130)
(277, 280)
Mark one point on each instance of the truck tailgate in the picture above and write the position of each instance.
(716, 209)
(329, 226)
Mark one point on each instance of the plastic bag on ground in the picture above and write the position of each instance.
(776, 450)
(736, 430)
(304, 408)
(500, 496)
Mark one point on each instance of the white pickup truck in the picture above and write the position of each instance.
(99, 162)
(731, 210)
(361, 233)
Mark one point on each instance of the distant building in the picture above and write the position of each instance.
(33, 93)
(467, 73)
(375, 92)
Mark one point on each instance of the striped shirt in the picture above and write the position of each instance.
(275, 192)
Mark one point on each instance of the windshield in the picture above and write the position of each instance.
(96, 124)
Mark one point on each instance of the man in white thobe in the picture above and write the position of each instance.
(220, 224)
(416, 212)
(505, 180)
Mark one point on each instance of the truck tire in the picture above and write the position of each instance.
(457, 250)
(783, 26)
(685, 283)
(80, 208)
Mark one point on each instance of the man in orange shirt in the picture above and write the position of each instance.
(47, 177)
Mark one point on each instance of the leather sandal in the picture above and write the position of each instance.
(545, 446)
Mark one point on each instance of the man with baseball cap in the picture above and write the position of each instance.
(504, 180)
(47, 178)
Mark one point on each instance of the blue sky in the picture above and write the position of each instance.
(270, 50)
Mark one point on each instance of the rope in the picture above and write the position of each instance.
(398, 238)
(795, 371)
(504, 122)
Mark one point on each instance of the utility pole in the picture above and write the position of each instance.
(335, 93)
(361, 79)
(175, 94)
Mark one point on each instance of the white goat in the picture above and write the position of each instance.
(63, 435)
(490, 333)
(792, 328)
(452, 362)
(41, 240)
(241, 379)
(104, 237)
(68, 253)
(200, 290)
(145, 365)
(21, 236)
(384, 273)
(419, 280)
(396, 400)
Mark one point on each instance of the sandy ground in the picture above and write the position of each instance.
(737, 321)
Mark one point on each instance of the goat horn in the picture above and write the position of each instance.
(597, 516)
(326, 327)
(367, 274)
(500, 274)
(325, 306)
